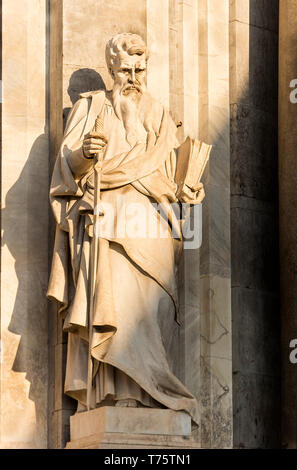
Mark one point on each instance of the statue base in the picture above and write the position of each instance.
(112, 427)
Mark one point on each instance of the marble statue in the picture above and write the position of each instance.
(129, 338)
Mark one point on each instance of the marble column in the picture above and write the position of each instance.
(288, 212)
(215, 259)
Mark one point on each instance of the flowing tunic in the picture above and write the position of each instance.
(135, 323)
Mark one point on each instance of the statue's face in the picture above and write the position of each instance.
(129, 74)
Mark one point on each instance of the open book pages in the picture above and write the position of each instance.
(192, 158)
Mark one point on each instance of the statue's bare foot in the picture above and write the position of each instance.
(127, 403)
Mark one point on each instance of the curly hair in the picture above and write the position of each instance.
(124, 43)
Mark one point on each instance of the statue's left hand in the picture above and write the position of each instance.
(191, 195)
(201, 193)
(93, 143)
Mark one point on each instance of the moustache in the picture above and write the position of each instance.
(129, 88)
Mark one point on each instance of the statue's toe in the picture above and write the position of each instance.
(127, 403)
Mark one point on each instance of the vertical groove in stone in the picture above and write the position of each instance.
(184, 108)
(56, 77)
(215, 269)
(173, 60)
(157, 38)
(203, 70)
(55, 11)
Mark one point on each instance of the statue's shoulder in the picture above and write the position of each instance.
(94, 101)
(82, 105)
(87, 107)
(93, 93)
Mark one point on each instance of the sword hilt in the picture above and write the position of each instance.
(99, 129)
(99, 124)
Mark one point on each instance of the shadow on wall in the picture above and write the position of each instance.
(81, 81)
(24, 227)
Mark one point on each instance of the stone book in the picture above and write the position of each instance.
(192, 159)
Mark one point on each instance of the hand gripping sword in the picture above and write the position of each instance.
(98, 159)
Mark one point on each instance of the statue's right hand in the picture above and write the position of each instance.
(93, 143)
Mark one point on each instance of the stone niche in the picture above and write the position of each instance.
(189, 58)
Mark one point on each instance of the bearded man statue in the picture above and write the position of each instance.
(135, 321)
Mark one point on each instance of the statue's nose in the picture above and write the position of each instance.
(132, 76)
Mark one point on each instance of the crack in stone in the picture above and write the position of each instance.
(225, 388)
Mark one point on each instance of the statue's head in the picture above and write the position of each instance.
(126, 58)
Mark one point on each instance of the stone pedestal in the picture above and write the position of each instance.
(130, 428)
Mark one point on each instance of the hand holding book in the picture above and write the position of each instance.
(192, 159)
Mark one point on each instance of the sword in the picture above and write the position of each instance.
(98, 159)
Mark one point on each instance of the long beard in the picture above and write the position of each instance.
(129, 109)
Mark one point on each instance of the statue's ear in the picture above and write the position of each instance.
(111, 72)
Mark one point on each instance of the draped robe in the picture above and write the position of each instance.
(134, 329)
